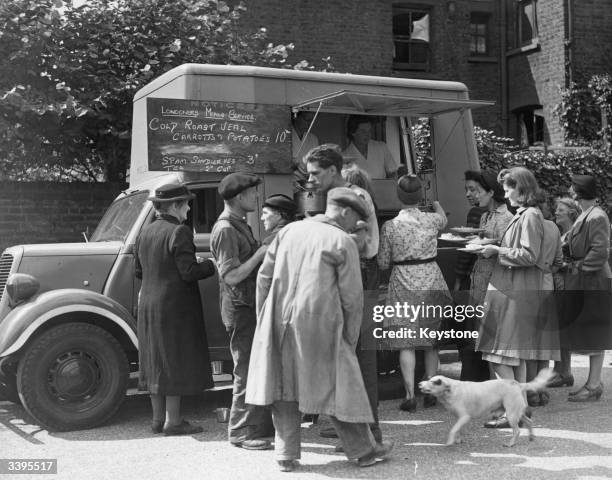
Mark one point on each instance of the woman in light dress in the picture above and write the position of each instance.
(409, 245)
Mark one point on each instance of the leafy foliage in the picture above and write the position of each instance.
(69, 74)
(553, 169)
(580, 111)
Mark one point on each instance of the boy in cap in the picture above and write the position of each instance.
(310, 304)
(238, 255)
(278, 210)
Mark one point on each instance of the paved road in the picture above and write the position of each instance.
(574, 441)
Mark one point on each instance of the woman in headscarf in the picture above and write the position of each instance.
(408, 244)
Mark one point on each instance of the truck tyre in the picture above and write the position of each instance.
(72, 377)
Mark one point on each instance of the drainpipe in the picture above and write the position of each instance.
(503, 61)
(569, 43)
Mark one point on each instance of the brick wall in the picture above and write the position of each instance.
(357, 34)
(592, 38)
(48, 212)
(535, 75)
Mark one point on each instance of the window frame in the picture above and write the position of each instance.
(405, 39)
(535, 125)
(481, 18)
(520, 9)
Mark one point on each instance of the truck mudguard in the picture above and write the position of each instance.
(25, 319)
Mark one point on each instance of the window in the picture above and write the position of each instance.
(526, 23)
(479, 34)
(531, 125)
(410, 38)
(205, 209)
(120, 218)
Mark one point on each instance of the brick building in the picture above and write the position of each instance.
(514, 52)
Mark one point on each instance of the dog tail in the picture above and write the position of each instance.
(539, 382)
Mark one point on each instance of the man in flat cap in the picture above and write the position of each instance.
(238, 256)
(278, 210)
(309, 309)
(324, 166)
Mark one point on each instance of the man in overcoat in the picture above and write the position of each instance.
(324, 165)
(309, 304)
(238, 256)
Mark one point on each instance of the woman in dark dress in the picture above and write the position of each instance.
(173, 350)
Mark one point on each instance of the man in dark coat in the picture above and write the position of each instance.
(238, 256)
(173, 349)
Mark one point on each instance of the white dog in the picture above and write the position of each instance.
(467, 400)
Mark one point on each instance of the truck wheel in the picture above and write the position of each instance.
(73, 377)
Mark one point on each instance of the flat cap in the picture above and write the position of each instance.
(585, 186)
(237, 182)
(281, 202)
(345, 197)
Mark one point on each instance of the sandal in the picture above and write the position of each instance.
(586, 394)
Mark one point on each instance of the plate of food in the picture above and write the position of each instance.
(451, 237)
(465, 230)
(472, 248)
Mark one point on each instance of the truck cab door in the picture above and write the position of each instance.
(205, 209)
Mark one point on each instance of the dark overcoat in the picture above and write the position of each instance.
(173, 349)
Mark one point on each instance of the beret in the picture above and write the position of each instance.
(237, 182)
(409, 189)
(281, 202)
(171, 192)
(346, 197)
(585, 186)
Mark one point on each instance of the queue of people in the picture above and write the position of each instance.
(293, 305)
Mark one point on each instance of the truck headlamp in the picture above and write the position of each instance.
(21, 286)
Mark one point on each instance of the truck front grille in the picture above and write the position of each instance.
(6, 262)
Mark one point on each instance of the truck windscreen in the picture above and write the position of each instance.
(119, 218)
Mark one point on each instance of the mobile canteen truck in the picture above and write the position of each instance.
(68, 338)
